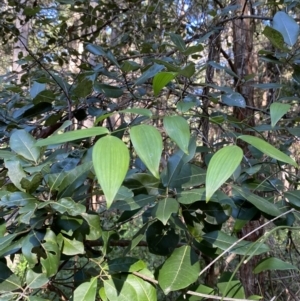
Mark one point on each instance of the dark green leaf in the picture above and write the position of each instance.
(234, 100)
(152, 71)
(178, 42)
(275, 37)
(271, 264)
(108, 90)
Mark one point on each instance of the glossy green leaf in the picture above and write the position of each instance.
(180, 270)
(23, 144)
(178, 42)
(268, 149)
(234, 100)
(287, 26)
(68, 205)
(73, 135)
(178, 130)
(161, 79)
(148, 145)
(277, 110)
(50, 262)
(71, 247)
(93, 221)
(86, 291)
(164, 208)
(259, 202)
(111, 162)
(271, 264)
(221, 166)
(152, 71)
(224, 241)
(35, 280)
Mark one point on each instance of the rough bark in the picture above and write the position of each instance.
(243, 30)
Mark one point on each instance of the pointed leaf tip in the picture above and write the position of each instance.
(148, 145)
(111, 162)
(221, 166)
(178, 130)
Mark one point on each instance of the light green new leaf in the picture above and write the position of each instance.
(74, 135)
(273, 263)
(148, 145)
(178, 130)
(221, 166)
(161, 79)
(71, 247)
(180, 270)
(111, 162)
(164, 208)
(119, 290)
(268, 149)
(277, 110)
(86, 291)
(23, 144)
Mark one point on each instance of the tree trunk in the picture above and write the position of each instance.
(244, 62)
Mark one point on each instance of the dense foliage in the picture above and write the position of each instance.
(148, 149)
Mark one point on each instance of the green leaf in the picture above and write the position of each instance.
(275, 37)
(51, 261)
(9, 282)
(180, 270)
(35, 280)
(68, 205)
(224, 241)
(152, 71)
(161, 79)
(271, 264)
(193, 49)
(108, 90)
(86, 291)
(119, 289)
(234, 100)
(287, 26)
(221, 166)
(231, 288)
(23, 144)
(259, 202)
(188, 70)
(178, 130)
(190, 196)
(111, 162)
(6, 154)
(71, 247)
(83, 88)
(15, 173)
(125, 264)
(268, 149)
(178, 42)
(95, 49)
(36, 88)
(73, 135)
(277, 110)
(164, 208)
(93, 221)
(148, 145)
